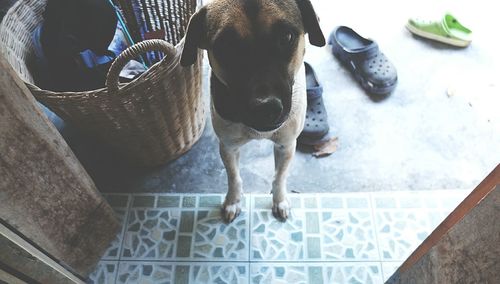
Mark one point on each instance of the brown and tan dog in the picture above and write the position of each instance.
(258, 90)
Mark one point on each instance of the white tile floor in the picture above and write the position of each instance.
(330, 238)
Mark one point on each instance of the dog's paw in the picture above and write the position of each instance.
(230, 211)
(281, 210)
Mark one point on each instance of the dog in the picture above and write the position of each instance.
(258, 90)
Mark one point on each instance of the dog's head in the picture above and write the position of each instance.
(255, 48)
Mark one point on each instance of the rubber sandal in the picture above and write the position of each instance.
(316, 123)
(362, 57)
(448, 30)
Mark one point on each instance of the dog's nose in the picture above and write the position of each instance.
(267, 110)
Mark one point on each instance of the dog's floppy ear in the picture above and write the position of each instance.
(195, 37)
(311, 24)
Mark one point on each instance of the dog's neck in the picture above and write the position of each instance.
(225, 103)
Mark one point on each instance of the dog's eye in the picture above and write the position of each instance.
(286, 38)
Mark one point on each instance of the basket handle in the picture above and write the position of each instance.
(132, 52)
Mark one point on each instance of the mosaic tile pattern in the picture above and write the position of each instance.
(445, 200)
(141, 272)
(317, 273)
(278, 273)
(113, 252)
(120, 205)
(329, 238)
(332, 231)
(348, 235)
(401, 232)
(404, 220)
(219, 273)
(274, 240)
(355, 273)
(151, 234)
(213, 240)
(389, 267)
(104, 273)
(160, 272)
(183, 227)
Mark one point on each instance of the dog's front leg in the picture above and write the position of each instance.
(230, 157)
(283, 155)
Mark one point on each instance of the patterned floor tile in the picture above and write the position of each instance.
(446, 200)
(404, 219)
(165, 272)
(218, 241)
(145, 272)
(449, 199)
(401, 231)
(105, 273)
(329, 238)
(184, 227)
(317, 273)
(331, 233)
(151, 234)
(389, 267)
(220, 273)
(119, 203)
(348, 235)
(271, 239)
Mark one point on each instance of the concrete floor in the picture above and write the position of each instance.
(440, 129)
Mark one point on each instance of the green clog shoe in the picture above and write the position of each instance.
(448, 30)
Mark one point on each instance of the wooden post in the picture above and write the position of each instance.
(45, 193)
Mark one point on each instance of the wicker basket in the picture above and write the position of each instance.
(151, 120)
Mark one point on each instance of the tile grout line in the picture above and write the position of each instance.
(193, 230)
(319, 210)
(257, 261)
(372, 209)
(249, 262)
(178, 234)
(124, 230)
(193, 237)
(250, 213)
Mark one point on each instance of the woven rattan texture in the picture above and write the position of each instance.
(151, 120)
